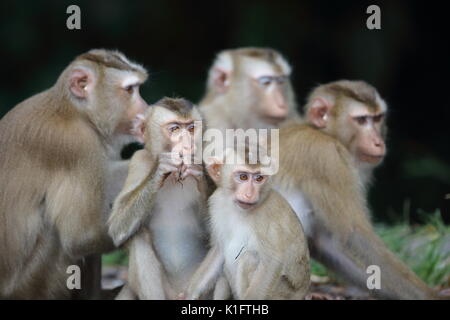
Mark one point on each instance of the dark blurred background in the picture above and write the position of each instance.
(408, 61)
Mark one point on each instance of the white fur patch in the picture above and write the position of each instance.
(258, 68)
(301, 207)
(231, 231)
(381, 103)
(358, 109)
(223, 62)
(130, 79)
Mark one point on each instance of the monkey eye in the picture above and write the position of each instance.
(174, 128)
(130, 89)
(378, 118)
(258, 178)
(362, 120)
(242, 176)
(265, 81)
(191, 128)
(281, 79)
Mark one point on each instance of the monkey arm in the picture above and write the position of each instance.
(206, 275)
(134, 203)
(343, 237)
(263, 279)
(76, 209)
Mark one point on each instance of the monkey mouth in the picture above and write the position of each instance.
(245, 205)
(274, 119)
(369, 158)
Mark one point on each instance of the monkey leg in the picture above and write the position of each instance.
(222, 290)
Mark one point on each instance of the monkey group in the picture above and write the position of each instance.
(194, 228)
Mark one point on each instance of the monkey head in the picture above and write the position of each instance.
(242, 176)
(111, 105)
(354, 113)
(255, 79)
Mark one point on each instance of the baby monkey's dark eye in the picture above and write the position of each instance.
(243, 176)
(259, 178)
(191, 128)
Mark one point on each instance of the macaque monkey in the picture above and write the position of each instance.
(54, 164)
(160, 211)
(249, 88)
(354, 113)
(320, 176)
(257, 242)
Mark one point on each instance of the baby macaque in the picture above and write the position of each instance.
(258, 244)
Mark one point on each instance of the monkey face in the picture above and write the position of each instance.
(133, 109)
(247, 187)
(273, 97)
(180, 133)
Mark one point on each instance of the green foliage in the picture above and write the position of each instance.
(425, 248)
(118, 257)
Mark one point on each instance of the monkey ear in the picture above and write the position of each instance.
(318, 112)
(214, 166)
(220, 80)
(81, 82)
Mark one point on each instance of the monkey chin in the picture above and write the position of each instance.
(274, 120)
(371, 159)
(245, 205)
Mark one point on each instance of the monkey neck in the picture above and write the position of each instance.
(365, 172)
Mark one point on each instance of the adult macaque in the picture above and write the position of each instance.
(354, 113)
(321, 178)
(160, 211)
(257, 242)
(53, 167)
(249, 88)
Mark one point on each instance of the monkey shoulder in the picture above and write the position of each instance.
(280, 223)
(319, 154)
(50, 137)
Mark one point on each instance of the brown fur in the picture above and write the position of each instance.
(230, 109)
(273, 266)
(343, 238)
(52, 192)
(151, 273)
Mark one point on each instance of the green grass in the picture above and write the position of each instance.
(424, 248)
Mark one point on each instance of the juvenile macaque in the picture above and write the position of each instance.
(54, 165)
(160, 211)
(258, 245)
(249, 88)
(322, 176)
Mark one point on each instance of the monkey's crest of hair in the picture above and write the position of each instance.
(357, 90)
(226, 60)
(111, 59)
(180, 106)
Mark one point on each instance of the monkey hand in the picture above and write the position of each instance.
(194, 170)
(169, 162)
